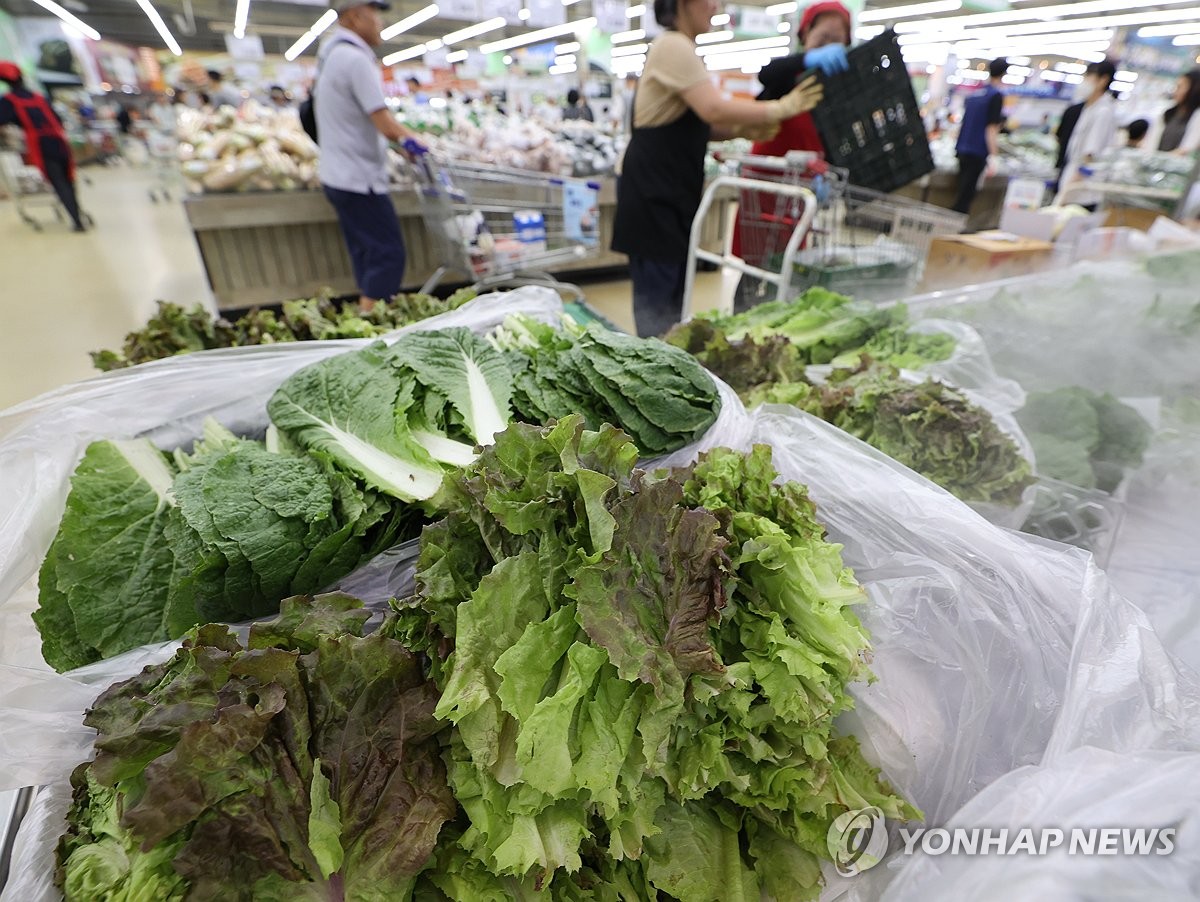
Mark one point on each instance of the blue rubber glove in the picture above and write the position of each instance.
(830, 59)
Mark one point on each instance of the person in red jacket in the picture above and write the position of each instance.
(824, 36)
(46, 144)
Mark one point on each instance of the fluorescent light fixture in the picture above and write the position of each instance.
(563, 49)
(508, 60)
(783, 27)
(240, 17)
(628, 64)
(781, 9)
(568, 60)
(401, 55)
(915, 9)
(634, 11)
(726, 61)
(718, 20)
(744, 46)
(1186, 40)
(973, 75)
(52, 7)
(624, 37)
(435, 44)
(542, 34)
(1018, 61)
(1074, 79)
(1044, 13)
(474, 31)
(410, 22)
(630, 50)
(561, 70)
(1013, 79)
(161, 27)
(1123, 75)
(1051, 75)
(1167, 31)
(327, 18)
(1071, 68)
(714, 37)
(1023, 71)
(751, 69)
(457, 56)
(524, 15)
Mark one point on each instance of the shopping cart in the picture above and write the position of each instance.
(503, 226)
(860, 242)
(28, 189)
(162, 160)
(777, 217)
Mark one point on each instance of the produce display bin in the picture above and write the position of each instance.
(1086, 518)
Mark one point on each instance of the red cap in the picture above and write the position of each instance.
(819, 9)
(9, 71)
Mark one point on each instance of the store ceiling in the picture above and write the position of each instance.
(201, 25)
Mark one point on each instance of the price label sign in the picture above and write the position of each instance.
(545, 13)
(466, 10)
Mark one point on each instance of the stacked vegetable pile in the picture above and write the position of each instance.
(825, 328)
(176, 330)
(254, 149)
(632, 680)
(301, 766)
(1082, 438)
(925, 425)
(152, 543)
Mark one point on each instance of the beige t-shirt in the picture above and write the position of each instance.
(671, 68)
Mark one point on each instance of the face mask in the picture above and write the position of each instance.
(1084, 89)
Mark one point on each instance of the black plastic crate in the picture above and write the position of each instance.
(869, 120)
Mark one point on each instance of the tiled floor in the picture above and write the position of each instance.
(63, 294)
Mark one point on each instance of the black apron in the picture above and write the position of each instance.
(659, 190)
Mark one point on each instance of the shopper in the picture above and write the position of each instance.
(983, 114)
(577, 108)
(1095, 131)
(1135, 133)
(221, 93)
(824, 36)
(46, 144)
(279, 98)
(676, 112)
(1179, 130)
(355, 126)
(1066, 126)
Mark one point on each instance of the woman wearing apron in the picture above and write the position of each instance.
(677, 110)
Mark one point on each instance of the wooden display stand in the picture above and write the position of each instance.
(271, 247)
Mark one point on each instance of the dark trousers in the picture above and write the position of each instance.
(970, 168)
(372, 234)
(58, 174)
(657, 294)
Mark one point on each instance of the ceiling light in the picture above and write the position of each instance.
(714, 37)
(719, 20)
(563, 49)
(1043, 13)
(783, 27)
(240, 17)
(561, 70)
(743, 46)
(457, 56)
(1186, 40)
(1051, 75)
(781, 9)
(1018, 60)
(508, 60)
(474, 31)
(634, 11)
(524, 15)
(401, 55)
(567, 60)
(630, 50)
(327, 18)
(725, 61)
(52, 7)
(624, 37)
(1013, 79)
(542, 34)
(161, 27)
(1071, 68)
(409, 22)
(916, 9)
(1166, 31)
(1023, 71)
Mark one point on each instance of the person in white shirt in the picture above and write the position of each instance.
(354, 127)
(221, 93)
(1095, 131)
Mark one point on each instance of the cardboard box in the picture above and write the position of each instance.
(1041, 225)
(1132, 218)
(957, 260)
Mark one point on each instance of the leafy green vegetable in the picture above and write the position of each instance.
(642, 672)
(658, 394)
(1082, 438)
(303, 766)
(823, 327)
(174, 330)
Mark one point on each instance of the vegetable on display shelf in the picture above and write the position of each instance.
(608, 685)
(153, 543)
(926, 425)
(176, 330)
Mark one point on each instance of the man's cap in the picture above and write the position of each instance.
(9, 71)
(340, 6)
(815, 10)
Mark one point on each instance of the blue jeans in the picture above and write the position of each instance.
(372, 234)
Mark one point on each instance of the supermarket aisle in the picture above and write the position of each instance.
(66, 294)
